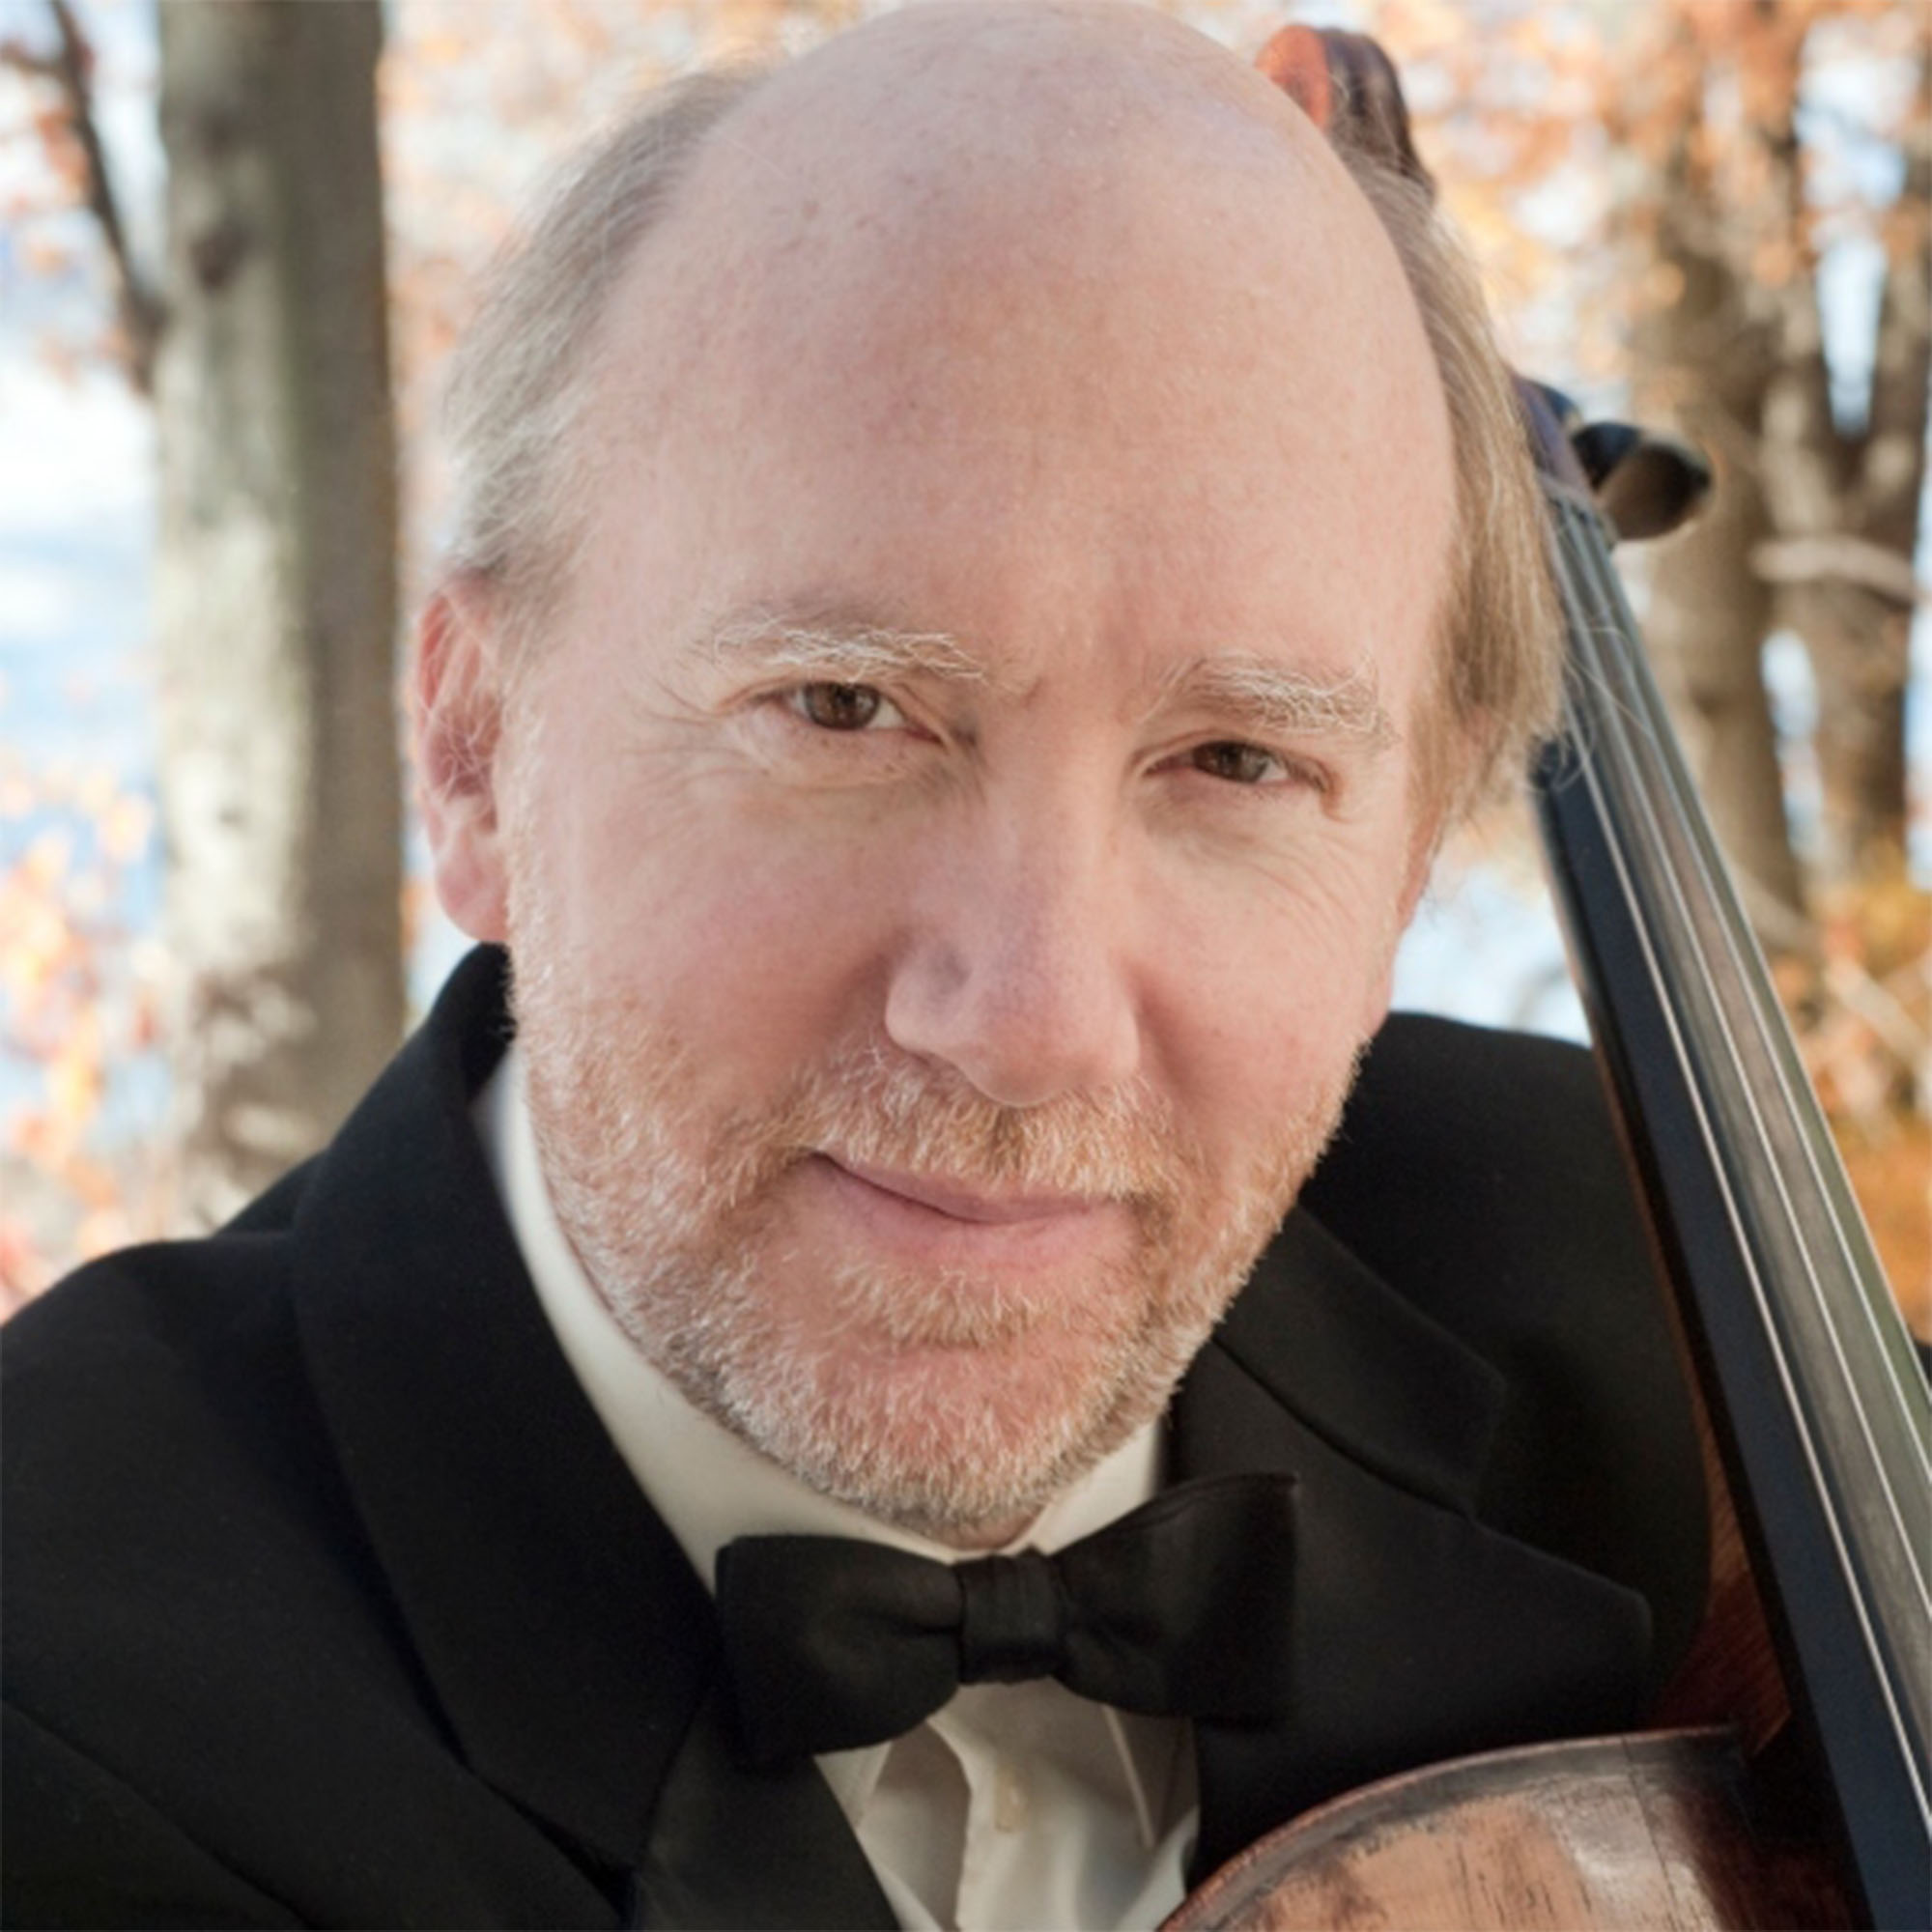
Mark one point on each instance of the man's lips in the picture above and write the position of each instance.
(968, 1204)
(853, 1211)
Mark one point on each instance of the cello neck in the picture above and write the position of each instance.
(1819, 1409)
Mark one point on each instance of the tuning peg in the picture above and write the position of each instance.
(1645, 484)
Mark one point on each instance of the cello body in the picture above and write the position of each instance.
(1660, 1832)
(1809, 1804)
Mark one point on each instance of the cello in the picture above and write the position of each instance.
(1809, 1801)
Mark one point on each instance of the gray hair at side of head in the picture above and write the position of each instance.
(520, 381)
(1499, 668)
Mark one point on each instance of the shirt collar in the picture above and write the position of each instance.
(1157, 1771)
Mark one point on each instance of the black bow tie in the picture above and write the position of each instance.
(1179, 1609)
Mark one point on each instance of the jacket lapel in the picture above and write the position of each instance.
(733, 1847)
(1416, 1633)
(571, 1648)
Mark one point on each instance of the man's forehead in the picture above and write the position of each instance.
(1157, 348)
(1001, 141)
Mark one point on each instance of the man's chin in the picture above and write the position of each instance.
(953, 1477)
(963, 1443)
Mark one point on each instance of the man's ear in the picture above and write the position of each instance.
(456, 709)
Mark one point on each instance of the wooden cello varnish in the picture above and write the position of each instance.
(1656, 1830)
(1675, 1829)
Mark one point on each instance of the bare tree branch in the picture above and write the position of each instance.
(22, 59)
(1849, 559)
(139, 305)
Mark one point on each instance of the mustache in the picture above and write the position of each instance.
(872, 1106)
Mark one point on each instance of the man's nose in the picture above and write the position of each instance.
(1016, 973)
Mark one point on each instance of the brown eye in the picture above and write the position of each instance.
(1237, 763)
(839, 707)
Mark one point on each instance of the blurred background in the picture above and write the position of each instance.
(237, 238)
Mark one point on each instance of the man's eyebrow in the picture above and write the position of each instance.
(1260, 695)
(1253, 693)
(842, 650)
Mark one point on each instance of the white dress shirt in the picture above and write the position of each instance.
(1015, 1804)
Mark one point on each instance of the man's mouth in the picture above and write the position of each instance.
(963, 1202)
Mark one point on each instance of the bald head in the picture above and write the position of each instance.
(1005, 108)
(1066, 225)
(1084, 173)
(1083, 233)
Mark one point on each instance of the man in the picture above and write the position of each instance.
(985, 565)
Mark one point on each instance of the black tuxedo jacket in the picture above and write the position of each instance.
(329, 1602)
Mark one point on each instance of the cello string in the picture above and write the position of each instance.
(1852, 1594)
(1751, 981)
(1748, 986)
(1597, 770)
(1880, 1674)
(1726, 994)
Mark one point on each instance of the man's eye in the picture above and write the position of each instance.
(839, 707)
(1237, 763)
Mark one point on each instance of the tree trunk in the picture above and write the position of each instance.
(1821, 526)
(1706, 625)
(1847, 514)
(1705, 355)
(276, 586)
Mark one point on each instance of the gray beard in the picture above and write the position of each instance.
(672, 1217)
